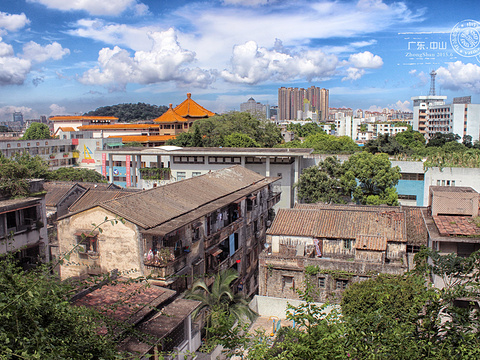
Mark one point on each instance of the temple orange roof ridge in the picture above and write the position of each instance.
(117, 126)
(170, 116)
(191, 109)
(76, 117)
(143, 138)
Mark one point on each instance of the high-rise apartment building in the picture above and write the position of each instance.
(254, 108)
(291, 102)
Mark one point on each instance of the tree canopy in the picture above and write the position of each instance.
(213, 132)
(37, 131)
(37, 321)
(130, 112)
(368, 178)
(75, 174)
(302, 131)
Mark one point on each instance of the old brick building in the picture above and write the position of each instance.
(336, 245)
(177, 232)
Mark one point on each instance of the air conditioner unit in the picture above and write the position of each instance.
(269, 223)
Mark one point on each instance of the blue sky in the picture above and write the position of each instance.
(67, 57)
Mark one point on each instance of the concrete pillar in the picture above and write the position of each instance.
(137, 168)
(110, 168)
(267, 168)
(134, 172)
(296, 177)
(242, 160)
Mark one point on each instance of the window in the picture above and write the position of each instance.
(321, 282)
(347, 244)
(196, 173)
(87, 243)
(181, 175)
(341, 284)
(288, 283)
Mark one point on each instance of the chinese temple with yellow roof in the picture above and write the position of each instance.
(173, 122)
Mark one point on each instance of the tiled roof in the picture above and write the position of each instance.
(66, 128)
(96, 196)
(153, 207)
(126, 302)
(456, 225)
(56, 191)
(70, 118)
(191, 109)
(117, 126)
(170, 116)
(91, 185)
(159, 326)
(144, 138)
(417, 233)
(373, 243)
(324, 222)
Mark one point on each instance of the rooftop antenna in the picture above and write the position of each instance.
(432, 83)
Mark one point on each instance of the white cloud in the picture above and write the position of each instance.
(57, 110)
(38, 53)
(353, 74)
(13, 70)
(6, 112)
(135, 38)
(212, 29)
(164, 62)
(93, 7)
(248, 2)
(13, 22)
(366, 60)
(460, 76)
(251, 64)
(402, 106)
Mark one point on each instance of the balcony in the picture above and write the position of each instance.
(165, 269)
(273, 198)
(221, 233)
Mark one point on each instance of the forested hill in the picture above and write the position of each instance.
(130, 112)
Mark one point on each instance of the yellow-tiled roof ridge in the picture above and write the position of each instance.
(170, 116)
(192, 109)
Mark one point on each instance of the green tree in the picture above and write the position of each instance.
(440, 139)
(330, 144)
(37, 320)
(220, 302)
(211, 132)
(76, 174)
(467, 141)
(239, 140)
(383, 314)
(384, 144)
(130, 112)
(376, 178)
(323, 183)
(15, 172)
(37, 131)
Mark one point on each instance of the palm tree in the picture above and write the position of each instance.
(220, 300)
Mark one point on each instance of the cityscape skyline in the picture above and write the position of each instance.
(69, 58)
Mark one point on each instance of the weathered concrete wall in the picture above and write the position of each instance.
(118, 246)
